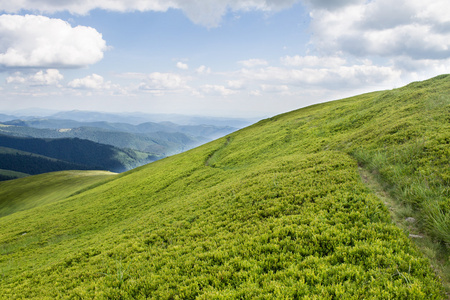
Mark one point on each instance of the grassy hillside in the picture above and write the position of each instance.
(31, 192)
(8, 174)
(276, 210)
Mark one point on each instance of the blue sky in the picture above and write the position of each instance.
(248, 58)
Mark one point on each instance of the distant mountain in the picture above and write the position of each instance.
(4, 117)
(205, 131)
(91, 116)
(82, 154)
(138, 118)
(157, 143)
(163, 138)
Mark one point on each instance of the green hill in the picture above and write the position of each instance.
(275, 210)
(8, 174)
(27, 193)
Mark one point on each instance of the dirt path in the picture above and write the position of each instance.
(405, 218)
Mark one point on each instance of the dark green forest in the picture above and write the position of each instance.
(71, 153)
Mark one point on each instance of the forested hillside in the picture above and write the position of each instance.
(76, 153)
(275, 210)
(161, 140)
(32, 164)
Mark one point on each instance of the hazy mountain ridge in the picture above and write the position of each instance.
(206, 131)
(160, 139)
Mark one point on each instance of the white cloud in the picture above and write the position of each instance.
(217, 90)
(182, 66)
(91, 82)
(42, 42)
(412, 28)
(271, 88)
(41, 78)
(16, 78)
(254, 62)
(338, 77)
(96, 85)
(162, 83)
(204, 12)
(236, 84)
(203, 70)
(49, 77)
(312, 61)
(331, 4)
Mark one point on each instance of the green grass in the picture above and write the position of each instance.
(27, 193)
(275, 210)
(400, 212)
(7, 174)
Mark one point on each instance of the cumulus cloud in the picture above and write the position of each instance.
(204, 12)
(345, 76)
(411, 28)
(331, 4)
(96, 84)
(203, 70)
(216, 90)
(41, 78)
(162, 83)
(16, 78)
(42, 42)
(182, 66)
(254, 62)
(91, 82)
(271, 88)
(312, 61)
(235, 84)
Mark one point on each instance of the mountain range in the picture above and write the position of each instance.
(133, 145)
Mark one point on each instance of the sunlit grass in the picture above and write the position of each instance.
(277, 210)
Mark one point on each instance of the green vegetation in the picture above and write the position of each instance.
(8, 175)
(275, 210)
(21, 163)
(47, 155)
(30, 192)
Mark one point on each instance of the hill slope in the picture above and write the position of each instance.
(277, 209)
(27, 193)
(87, 154)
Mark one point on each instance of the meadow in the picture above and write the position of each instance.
(275, 210)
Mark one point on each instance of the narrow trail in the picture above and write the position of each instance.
(214, 156)
(403, 218)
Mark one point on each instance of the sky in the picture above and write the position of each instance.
(224, 58)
